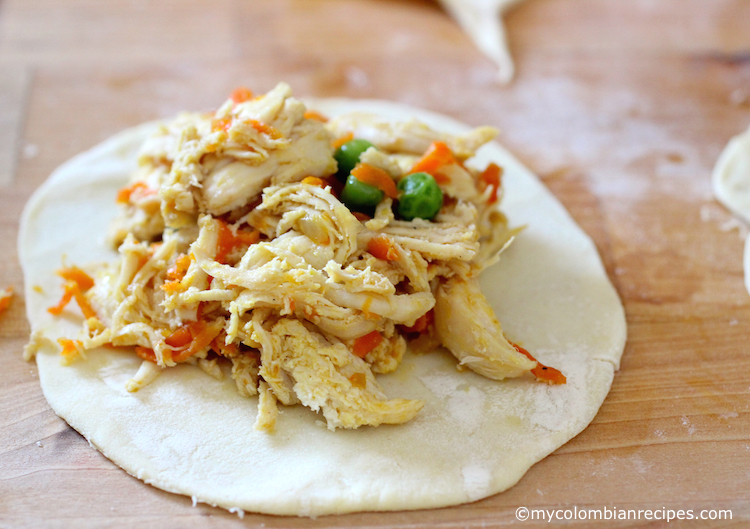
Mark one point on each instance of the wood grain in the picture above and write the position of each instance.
(621, 106)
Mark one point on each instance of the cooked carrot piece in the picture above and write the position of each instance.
(490, 177)
(180, 268)
(365, 344)
(72, 290)
(382, 248)
(437, 156)
(362, 217)
(78, 276)
(375, 176)
(265, 129)
(5, 298)
(229, 242)
(202, 336)
(124, 194)
(221, 124)
(342, 140)
(219, 346)
(241, 94)
(422, 324)
(67, 296)
(246, 238)
(171, 287)
(83, 304)
(317, 116)
(314, 181)
(180, 338)
(70, 348)
(145, 353)
(541, 372)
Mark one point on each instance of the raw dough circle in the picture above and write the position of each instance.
(191, 434)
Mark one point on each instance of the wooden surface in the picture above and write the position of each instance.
(622, 107)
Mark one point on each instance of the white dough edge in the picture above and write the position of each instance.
(473, 439)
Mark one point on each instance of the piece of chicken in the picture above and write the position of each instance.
(466, 325)
(327, 377)
(407, 137)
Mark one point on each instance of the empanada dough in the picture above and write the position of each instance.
(191, 434)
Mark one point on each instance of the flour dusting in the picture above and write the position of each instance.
(467, 407)
(477, 478)
(686, 423)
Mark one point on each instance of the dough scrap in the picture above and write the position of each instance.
(482, 21)
(731, 183)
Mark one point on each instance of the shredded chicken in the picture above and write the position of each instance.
(236, 250)
(408, 137)
(480, 345)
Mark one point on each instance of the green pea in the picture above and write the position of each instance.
(420, 197)
(347, 156)
(359, 196)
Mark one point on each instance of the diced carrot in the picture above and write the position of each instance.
(422, 324)
(375, 176)
(382, 248)
(548, 374)
(171, 287)
(145, 353)
(224, 243)
(70, 348)
(246, 238)
(365, 344)
(541, 372)
(124, 194)
(67, 296)
(72, 290)
(358, 380)
(342, 140)
(5, 298)
(180, 268)
(202, 335)
(78, 276)
(220, 347)
(228, 241)
(317, 116)
(314, 181)
(265, 129)
(221, 124)
(241, 94)
(83, 304)
(362, 217)
(490, 177)
(436, 157)
(180, 338)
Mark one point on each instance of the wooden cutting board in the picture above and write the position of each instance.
(621, 106)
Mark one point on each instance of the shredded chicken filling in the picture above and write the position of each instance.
(233, 259)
